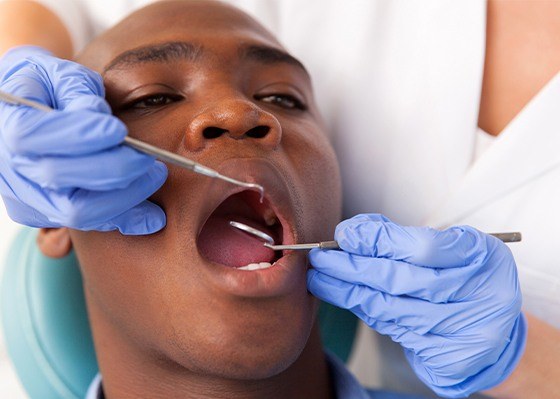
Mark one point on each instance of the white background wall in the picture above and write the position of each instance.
(9, 385)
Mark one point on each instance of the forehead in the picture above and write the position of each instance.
(208, 25)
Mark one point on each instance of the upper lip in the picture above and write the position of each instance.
(254, 170)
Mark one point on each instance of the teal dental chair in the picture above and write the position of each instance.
(47, 332)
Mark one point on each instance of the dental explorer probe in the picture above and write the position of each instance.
(146, 148)
(504, 237)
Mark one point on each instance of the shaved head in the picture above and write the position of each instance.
(153, 22)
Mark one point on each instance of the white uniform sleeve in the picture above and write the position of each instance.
(74, 15)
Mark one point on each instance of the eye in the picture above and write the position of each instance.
(286, 101)
(152, 101)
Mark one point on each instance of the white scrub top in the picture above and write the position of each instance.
(399, 82)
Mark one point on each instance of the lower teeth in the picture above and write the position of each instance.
(256, 266)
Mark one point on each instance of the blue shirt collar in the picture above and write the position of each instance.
(345, 384)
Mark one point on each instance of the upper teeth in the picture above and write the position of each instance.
(255, 266)
(269, 217)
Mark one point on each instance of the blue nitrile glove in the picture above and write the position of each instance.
(66, 168)
(451, 298)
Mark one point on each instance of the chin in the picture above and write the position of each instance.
(255, 362)
(256, 341)
(258, 363)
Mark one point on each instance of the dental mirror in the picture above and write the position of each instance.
(254, 232)
(269, 241)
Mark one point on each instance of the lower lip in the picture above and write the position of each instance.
(286, 275)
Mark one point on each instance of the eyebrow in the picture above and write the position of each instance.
(269, 55)
(165, 52)
(173, 51)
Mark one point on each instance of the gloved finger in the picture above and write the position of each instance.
(397, 277)
(414, 314)
(62, 80)
(499, 362)
(28, 84)
(86, 210)
(369, 304)
(428, 353)
(108, 170)
(89, 102)
(431, 350)
(72, 80)
(145, 218)
(22, 213)
(26, 131)
(15, 55)
(431, 363)
(375, 236)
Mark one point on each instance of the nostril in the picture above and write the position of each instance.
(213, 132)
(258, 132)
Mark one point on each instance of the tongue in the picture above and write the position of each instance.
(221, 243)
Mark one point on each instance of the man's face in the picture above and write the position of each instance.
(205, 81)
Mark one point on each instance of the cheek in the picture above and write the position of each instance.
(132, 281)
(165, 128)
(317, 178)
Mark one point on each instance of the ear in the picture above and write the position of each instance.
(54, 243)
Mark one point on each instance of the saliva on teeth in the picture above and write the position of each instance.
(256, 266)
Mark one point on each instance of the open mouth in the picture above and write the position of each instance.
(223, 244)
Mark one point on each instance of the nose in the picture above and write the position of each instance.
(235, 119)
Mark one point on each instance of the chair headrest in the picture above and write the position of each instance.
(45, 323)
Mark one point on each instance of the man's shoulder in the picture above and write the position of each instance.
(375, 394)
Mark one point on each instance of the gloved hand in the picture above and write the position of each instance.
(451, 298)
(66, 168)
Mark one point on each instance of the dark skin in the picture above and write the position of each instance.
(166, 321)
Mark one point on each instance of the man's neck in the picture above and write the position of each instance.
(127, 376)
